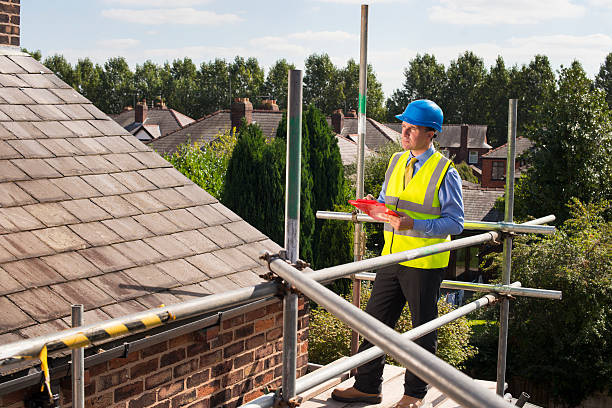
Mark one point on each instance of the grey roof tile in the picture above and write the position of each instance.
(133, 181)
(32, 80)
(183, 219)
(10, 172)
(116, 144)
(13, 80)
(208, 214)
(4, 117)
(25, 244)
(67, 166)
(124, 161)
(18, 112)
(110, 127)
(30, 148)
(97, 113)
(11, 317)
(169, 246)
(219, 285)
(5, 255)
(164, 177)
(41, 96)
(128, 228)
(17, 219)
(4, 132)
(170, 198)
(32, 273)
(107, 258)
(97, 164)
(90, 317)
(237, 260)
(136, 144)
(253, 250)
(70, 96)
(17, 97)
(49, 112)
(88, 145)
(60, 147)
(41, 304)
(7, 66)
(51, 214)
(245, 278)
(157, 224)
(118, 285)
(71, 265)
(81, 128)
(29, 64)
(182, 271)
(42, 190)
(196, 194)
(151, 278)
(154, 300)
(123, 308)
(96, 233)
(24, 130)
(7, 338)
(75, 187)
(85, 210)
(8, 284)
(12, 195)
(196, 241)
(144, 202)
(43, 328)
(151, 159)
(245, 231)
(139, 252)
(105, 184)
(83, 292)
(76, 112)
(221, 236)
(61, 239)
(57, 82)
(36, 168)
(189, 292)
(210, 265)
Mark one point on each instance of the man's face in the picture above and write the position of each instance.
(416, 138)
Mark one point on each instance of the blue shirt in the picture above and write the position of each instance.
(451, 201)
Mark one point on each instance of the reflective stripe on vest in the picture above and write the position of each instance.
(420, 201)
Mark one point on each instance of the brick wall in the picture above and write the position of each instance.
(9, 22)
(225, 365)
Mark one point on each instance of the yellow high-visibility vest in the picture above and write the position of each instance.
(420, 201)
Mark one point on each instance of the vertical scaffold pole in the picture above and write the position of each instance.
(507, 261)
(78, 363)
(361, 131)
(292, 227)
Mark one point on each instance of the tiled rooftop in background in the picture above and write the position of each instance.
(88, 214)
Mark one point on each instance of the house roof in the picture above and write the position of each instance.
(479, 202)
(522, 145)
(168, 120)
(451, 135)
(349, 149)
(88, 214)
(377, 134)
(207, 129)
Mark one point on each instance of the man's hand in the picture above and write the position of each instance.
(402, 222)
(370, 197)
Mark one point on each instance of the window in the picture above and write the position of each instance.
(473, 159)
(498, 171)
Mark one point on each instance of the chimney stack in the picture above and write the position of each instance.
(463, 145)
(351, 114)
(241, 108)
(9, 22)
(140, 113)
(269, 104)
(337, 120)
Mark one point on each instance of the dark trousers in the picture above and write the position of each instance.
(394, 285)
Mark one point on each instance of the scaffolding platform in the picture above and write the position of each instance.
(393, 389)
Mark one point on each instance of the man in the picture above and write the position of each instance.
(424, 189)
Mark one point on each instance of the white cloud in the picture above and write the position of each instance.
(363, 1)
(171, 16)
(324, 36)
(119, 43)
(277, 45)
(601, 3)
(486, 12)
(197, 53)
(158, 3)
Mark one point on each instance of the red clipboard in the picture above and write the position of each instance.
(373, 208)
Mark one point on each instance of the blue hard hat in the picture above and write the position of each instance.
(423, 112)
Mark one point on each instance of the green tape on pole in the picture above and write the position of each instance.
(294, 147)
(362, 104)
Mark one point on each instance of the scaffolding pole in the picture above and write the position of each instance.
(507, 255)
(292, 227)
(78, 363)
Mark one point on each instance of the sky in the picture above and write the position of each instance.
(398, 30)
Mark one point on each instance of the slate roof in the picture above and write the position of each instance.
(522, 145)
(88, 214)
(478, 203)
(451, 135)
(207, 129)
(349, 149)
(377, 134)
(168, 120)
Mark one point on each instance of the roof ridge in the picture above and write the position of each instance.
(501, 146)
(193, 123)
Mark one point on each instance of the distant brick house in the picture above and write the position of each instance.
(494, 163)
(90, 215)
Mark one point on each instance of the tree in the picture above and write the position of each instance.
(322, 87)
(183, 90)
(495, 94)
(88, 80)
(462, 98)
(424, 79)
(60, 67)
(37, 55)
(603, 80)
(148, 81)
(276, 84)
(247, 78)
(117, 86)
(213, 86)
(573, 149)
(349, 75)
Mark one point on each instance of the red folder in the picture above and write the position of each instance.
(373, 208)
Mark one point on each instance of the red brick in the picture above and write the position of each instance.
(274, 307)
(208, 389)
(274, 334)
(144, 368)
(233, 349)
(278, 345)
(302, 360)
(143, 401)
(128, 391)
(183, 399)
(154, 349)
(234, 321)
(244, 359)
(264, 351)
(239, 390)
(232, 378)
(252, 395)
(222, 368)
(278, 371)
(255, 341)
(303, 347)
(200, 404)
(303, 336)
(263, 379)
(255, 314)
(212, 332)
(181, 340)
(244, 331)
(169, 390)
(197, 348)
(222, 339)
(221, 398)
(158, 378)
(210, 358)
(264, 324)
(198, 378)
(254, 368)
(165, 404)
(99, 401)
(120, 362)
(172, 357)
(113, 379)
(185, 368)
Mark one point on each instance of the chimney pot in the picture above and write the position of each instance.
(337, 119)
(140, 113)
(241, 108)
(351, 114)
(269, 104)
